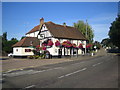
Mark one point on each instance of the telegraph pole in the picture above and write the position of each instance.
(86, 29)
(86, 35)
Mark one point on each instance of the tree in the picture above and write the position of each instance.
(107, 43)
(81, 26)
(97, 44)
(114, 32)
(22, 37)
(4, 40)
(7, 45)
(4, 36)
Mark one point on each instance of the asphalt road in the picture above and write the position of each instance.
(98, 72)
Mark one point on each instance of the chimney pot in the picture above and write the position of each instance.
(41, 21)
(64, 24)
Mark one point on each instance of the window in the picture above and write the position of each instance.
(27, 50)
(16, 50)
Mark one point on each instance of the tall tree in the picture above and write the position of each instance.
(97, 44)
(82, 27)
(7, 44)
(107, 43)
(114, 32)
(4, 36)
(4, 40)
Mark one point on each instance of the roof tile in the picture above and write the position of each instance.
(25, 42)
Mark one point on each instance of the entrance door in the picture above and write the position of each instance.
(59, 53)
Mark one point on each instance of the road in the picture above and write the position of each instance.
(98, 72)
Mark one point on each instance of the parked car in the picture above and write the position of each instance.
(10, 54)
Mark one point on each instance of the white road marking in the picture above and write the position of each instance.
(72, 73)
(58, 68)
(49, 69)
(30, 86)
(29, 72)
(97, 64)
(61, 76)
(77, 63)
(19, 73)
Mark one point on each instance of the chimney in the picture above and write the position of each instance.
(41, 21)
(64, 24)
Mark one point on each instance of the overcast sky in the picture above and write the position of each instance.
(20, 17)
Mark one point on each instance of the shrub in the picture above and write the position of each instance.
(36, 56)
(31, 57)
(42, 56)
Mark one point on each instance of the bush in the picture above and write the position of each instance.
(36, 56)
(31, 57)
(42, 56)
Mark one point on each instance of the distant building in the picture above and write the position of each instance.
(40, 34)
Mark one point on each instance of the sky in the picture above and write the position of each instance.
(20, 17)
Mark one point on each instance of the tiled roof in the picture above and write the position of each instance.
(25, 42)
(61, 31)
(36, 28)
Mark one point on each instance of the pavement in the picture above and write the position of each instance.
(13, 64)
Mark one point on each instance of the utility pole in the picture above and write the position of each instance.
(86, 36)
(86, 29)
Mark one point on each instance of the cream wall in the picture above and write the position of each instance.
(21, 51)
(54, 49)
